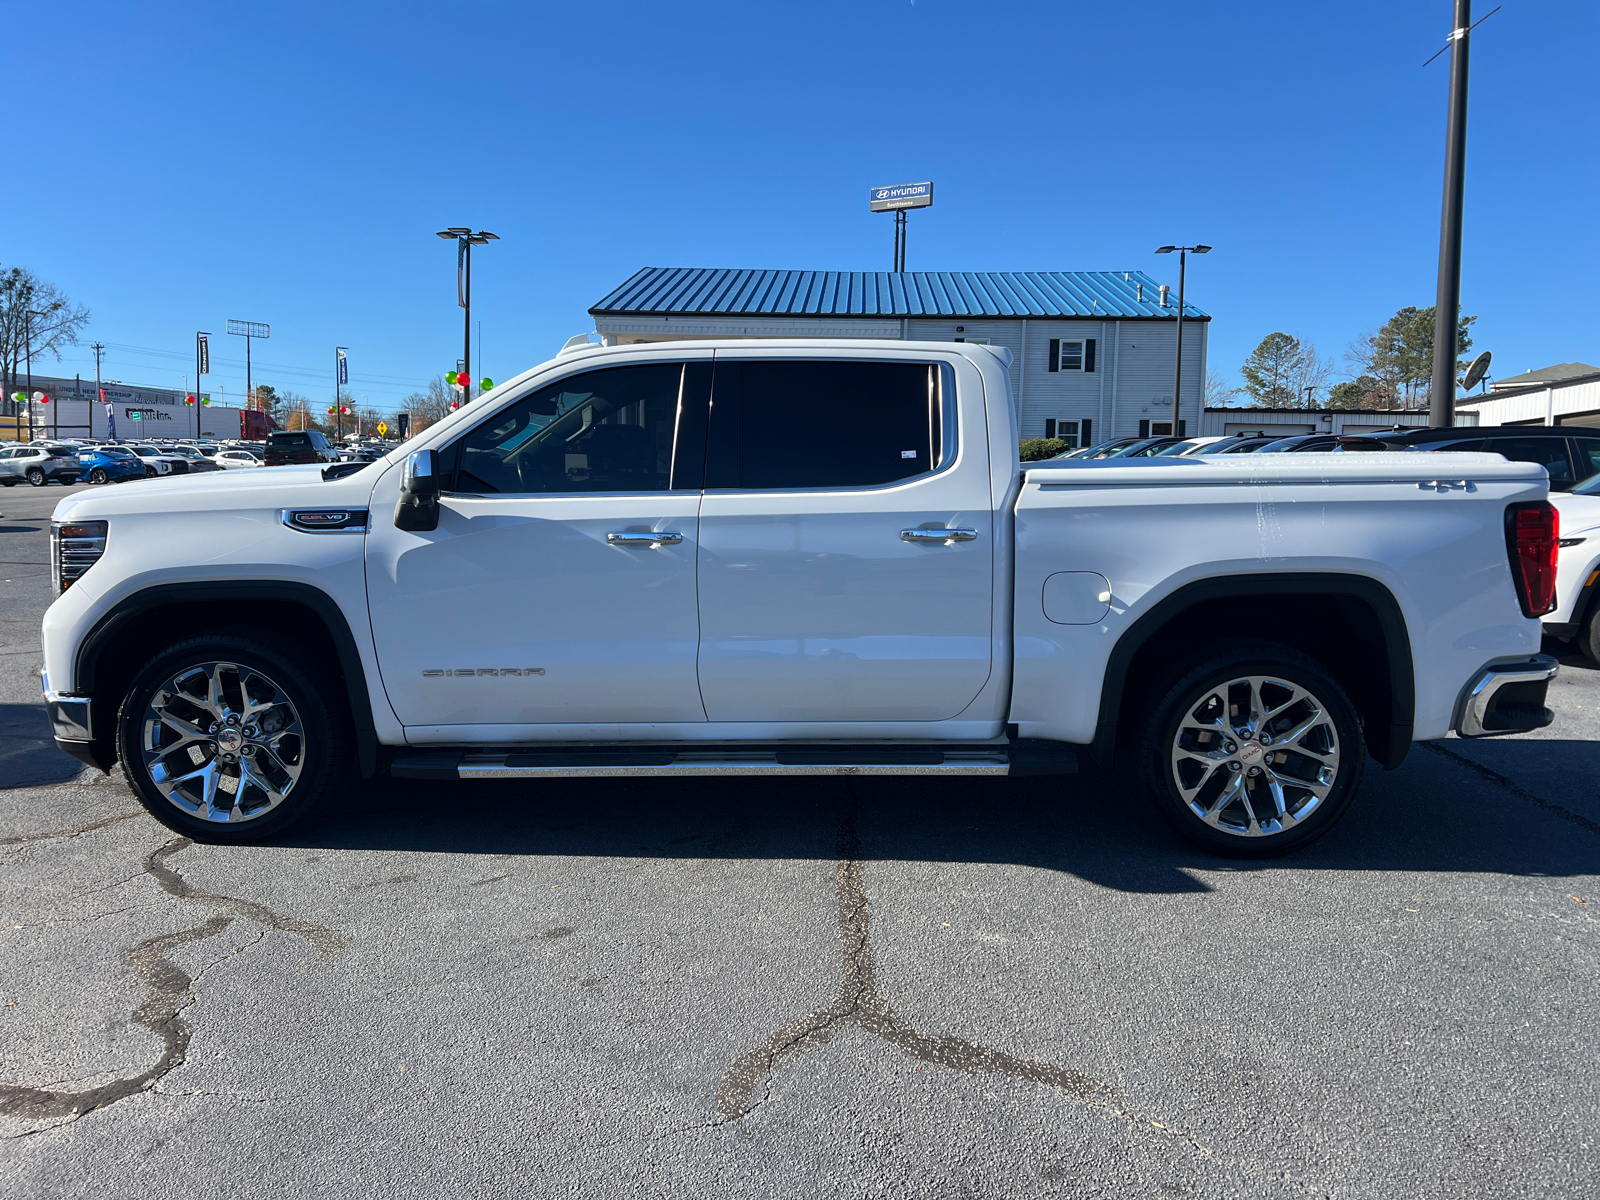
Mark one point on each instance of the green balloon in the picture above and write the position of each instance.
(486, 383)
(450, 377)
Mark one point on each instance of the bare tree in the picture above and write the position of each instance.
(36, 318)
(431, 405)
(1310, 376)
(1218, 391)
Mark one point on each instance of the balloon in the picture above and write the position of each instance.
(206, 400)
(44, 399)
(486, 384)
(450, 378)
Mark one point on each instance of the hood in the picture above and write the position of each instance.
(275, 487)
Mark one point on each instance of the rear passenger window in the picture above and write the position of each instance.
(809, 423)
(1548, 452)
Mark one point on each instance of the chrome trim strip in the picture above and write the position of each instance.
(493, 766)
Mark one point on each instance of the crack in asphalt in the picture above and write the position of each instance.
(327, 942)
(88, 827)
(859, 1003)
(1517, 790)
(171, 990)
(169, 995)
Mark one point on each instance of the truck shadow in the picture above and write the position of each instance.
(1436, 813)
(28, 754)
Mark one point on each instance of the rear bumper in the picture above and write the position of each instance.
(1506, 697)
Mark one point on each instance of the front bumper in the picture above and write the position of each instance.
(1507, 697)
(72, 723)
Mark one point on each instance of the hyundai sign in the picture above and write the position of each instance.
(901, 195)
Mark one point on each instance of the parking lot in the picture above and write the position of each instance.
(721, 987)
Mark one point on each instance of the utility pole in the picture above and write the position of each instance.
(1447, 310)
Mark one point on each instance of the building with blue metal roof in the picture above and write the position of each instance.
(1092, 351)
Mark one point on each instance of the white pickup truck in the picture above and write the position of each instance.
(794, 558)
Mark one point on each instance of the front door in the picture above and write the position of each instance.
(559, 587)
(846, 544)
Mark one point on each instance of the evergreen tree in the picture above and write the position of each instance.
(1271, 370)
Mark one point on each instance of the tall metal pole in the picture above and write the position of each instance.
(1442, 409)
(1177, 367)
(466, 330)
(99, 395)
(338, 414)
(249, 386)
(28, 341)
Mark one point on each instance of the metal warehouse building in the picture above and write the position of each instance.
(1092, 351)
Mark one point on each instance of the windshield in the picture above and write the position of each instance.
(187, 451)
(1589, 487)
(114, 452)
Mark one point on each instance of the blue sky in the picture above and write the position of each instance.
(289, 162)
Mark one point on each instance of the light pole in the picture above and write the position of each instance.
(340, 376)
(466, 239)
(1447, 310)
(246, 330)
(1177, 368)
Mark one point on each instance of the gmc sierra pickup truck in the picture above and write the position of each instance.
(794, 558)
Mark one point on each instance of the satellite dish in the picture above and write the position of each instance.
(1476, 372)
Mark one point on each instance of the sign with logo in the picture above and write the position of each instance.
(900, 195)
(146, 414)
(203, 355)
(344, 369)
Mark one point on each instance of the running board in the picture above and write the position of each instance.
(591, 761)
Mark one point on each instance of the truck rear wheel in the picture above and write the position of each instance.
(1254, 751)
(227, 739)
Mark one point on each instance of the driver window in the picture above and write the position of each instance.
(602, 431)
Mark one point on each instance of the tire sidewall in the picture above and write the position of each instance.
(36, 478)
(98, 475)
(324, 741)
(1231, 663)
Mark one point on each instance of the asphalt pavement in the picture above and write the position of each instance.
(715, 988)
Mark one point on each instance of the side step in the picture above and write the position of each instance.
(558, 762)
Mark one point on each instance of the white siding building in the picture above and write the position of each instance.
(1574, 400)
(1092, 351)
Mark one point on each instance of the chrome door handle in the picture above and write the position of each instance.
(938, 535)
(644, 539)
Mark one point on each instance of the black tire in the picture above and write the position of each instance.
(1179, 777)
(321, 758)
(98, 475)
(149, 471)
(36, 477)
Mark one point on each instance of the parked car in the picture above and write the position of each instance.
(38, 465)
(299, 446)
(109, 464)
(1102, 450)
(581, 576)
(1238, 445)
(1576, 616)
(233, 459)
(160, 462)
(1569, 453)
(198, 462)
(1188, 446)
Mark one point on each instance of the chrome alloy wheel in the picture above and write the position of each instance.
(1255, 756)
(223, 742)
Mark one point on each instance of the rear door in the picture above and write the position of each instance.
(846, 543)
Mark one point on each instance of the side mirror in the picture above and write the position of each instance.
(418, 508)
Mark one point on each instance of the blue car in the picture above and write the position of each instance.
(109, 464)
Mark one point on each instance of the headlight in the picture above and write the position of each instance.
(75, 546)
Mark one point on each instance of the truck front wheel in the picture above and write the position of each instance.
(1254, 751)
(227, 739)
